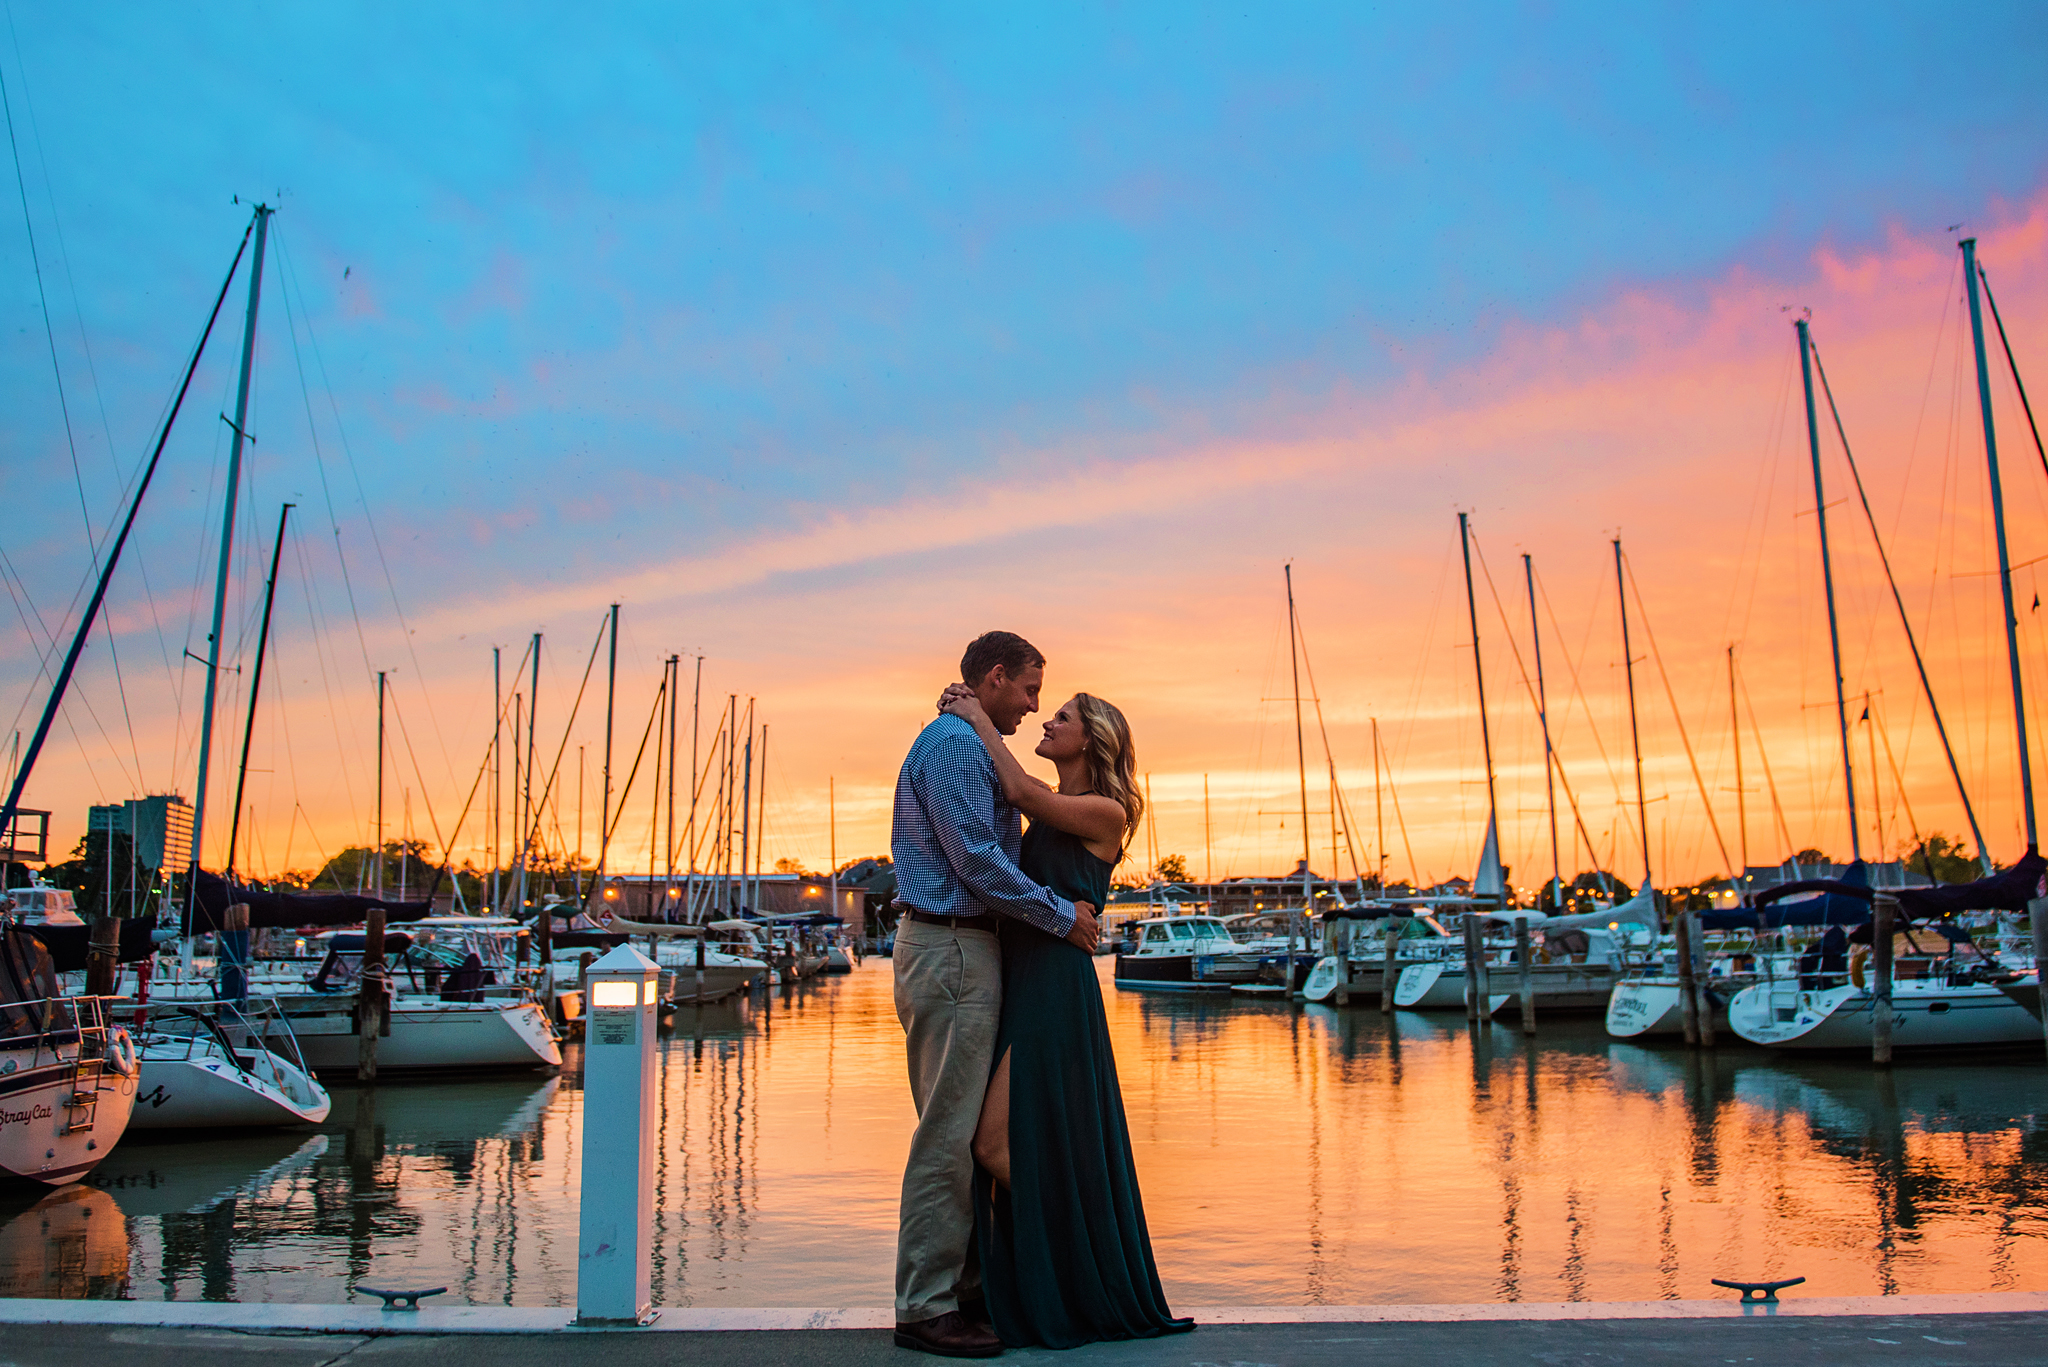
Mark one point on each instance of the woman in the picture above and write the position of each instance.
(1058, 1220)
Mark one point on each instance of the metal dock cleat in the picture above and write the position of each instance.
(403, 1300)
(1753, 1292)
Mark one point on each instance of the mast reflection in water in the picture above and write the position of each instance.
(1289, 1155)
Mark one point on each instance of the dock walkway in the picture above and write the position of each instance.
(1917, 1331)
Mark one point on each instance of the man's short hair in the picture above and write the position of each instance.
(992, 648)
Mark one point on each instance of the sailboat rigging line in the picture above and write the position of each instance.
(63, 679)
(1479, 674)
(533, 832)
(1968, 247)
(1570, 796)
(1341, 806)
(362, 496)
(319, 456)
(2014, 366)
(1635, 734)
(1764, 758)
(705, 832)
(1578, 694)
(1912, 642)
(1394, 795)
(1671, 696)
(256, 689)
(660, 698)
(49, 331)
(1820, 514)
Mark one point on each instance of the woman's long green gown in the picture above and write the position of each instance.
(1064, 1253)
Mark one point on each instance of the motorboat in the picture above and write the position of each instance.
(40, 904)
(217, 1067)
(1183, 954)
(447, 1012)
(67, 1077)
(704, 963)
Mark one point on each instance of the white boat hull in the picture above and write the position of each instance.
(37, 1137)
(206, 1092)
(1438, 986)
(431, 1035)
(1649, 1008)
(720, 981)
(1927, 1014)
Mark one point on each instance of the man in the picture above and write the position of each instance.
(955, 845)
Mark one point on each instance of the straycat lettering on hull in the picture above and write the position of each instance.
(33, 1113)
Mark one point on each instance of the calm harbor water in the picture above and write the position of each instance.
(1289, 1156)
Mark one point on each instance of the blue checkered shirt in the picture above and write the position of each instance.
(956, 839)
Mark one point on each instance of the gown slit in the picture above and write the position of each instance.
(1065, 1255)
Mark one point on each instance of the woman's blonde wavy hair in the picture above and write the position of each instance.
(1112, 760)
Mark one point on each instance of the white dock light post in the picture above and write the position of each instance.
(614, 1258)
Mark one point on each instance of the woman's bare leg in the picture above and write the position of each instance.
(992, 1135)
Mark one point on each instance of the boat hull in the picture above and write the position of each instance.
(1925, 1015)
(1170, 973)
(205, 1092)
(1327, 976)
(428, 1036)
(38, 1141)
(1651, 1008)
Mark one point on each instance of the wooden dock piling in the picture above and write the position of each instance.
(1882, 913)
(1702, 980)
(1688, 986)
(1472, 953)
(2037, 915)
(1526, 981)
(1387, 976)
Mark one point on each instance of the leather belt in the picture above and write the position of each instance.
(981, 921)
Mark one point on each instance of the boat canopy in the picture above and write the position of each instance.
(2007, 890)
(1641, 908)
(1843, 901)
(280, 911)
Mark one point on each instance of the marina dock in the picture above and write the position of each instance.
(1902, 1331)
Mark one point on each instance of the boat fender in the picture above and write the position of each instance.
(1859, 958)
(121, 1054)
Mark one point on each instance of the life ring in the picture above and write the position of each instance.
(121, 1054)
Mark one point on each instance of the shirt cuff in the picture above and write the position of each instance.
(1066, 913)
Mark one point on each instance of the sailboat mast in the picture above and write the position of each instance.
(1379, 816)
(1741, 798)
(1479, 673)
(497, 772)
(761, 819)
(1543, 716)
(611, 693)
(1208, 837)
(1635, 736)
(1300, 759)
(227, 540)
(380, 785)
(256, 687)
(747, 807)
(690, 827)
(2012, 621)
(675, 679)
(1827, 576)
(545, 925)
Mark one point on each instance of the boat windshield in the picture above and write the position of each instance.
(1156, 935)
(1183, 931)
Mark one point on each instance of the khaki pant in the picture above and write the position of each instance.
(949, 992)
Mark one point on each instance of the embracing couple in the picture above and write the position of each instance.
(1021, 1222)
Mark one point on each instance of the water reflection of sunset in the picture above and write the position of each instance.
(1288, 1157)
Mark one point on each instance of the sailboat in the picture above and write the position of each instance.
(1943, 1001)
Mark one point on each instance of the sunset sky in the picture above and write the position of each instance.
(822, 338)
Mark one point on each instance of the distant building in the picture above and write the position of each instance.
(159, 825)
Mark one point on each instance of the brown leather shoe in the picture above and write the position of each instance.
(951, 1335)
